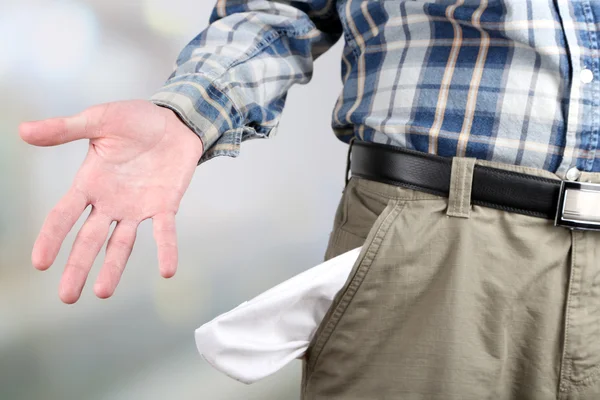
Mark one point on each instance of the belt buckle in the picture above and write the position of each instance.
(579, 206)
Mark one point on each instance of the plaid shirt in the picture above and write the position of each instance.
(513, 81)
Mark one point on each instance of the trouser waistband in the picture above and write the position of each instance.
(542, 194)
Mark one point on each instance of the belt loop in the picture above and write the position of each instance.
(461, 182)
(351, 143)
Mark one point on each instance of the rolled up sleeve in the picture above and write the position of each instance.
(231, 81)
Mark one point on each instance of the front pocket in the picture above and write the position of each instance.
(361, 209)
(356, 213)
(360, 270)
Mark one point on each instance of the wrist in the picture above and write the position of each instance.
(176, 125)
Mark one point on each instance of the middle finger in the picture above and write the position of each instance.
(88, 243)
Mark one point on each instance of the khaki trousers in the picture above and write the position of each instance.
(488, 305)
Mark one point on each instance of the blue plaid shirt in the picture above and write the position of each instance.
(513, 81)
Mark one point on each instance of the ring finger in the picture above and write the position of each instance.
(88, 243)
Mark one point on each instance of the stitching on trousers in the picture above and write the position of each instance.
(595, 371)
(459, 188)
(565, 372)
(463, 189)
(357, 279)
(454, 190)
(351, 290)
(334, 240)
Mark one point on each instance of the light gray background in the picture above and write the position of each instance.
(244, 225)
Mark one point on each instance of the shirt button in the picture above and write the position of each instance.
(586, 76)
(573, 174)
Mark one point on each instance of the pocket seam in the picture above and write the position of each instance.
(332, 246)
(366, 258)
(345, 204)
(345, 207)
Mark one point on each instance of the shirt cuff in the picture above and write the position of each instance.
(208, 112)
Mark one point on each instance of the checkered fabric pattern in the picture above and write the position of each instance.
(512, 81)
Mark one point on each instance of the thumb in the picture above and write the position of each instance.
(52, 132)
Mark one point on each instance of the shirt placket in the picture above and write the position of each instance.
(583, 115)
(572, 123)
(589, 77)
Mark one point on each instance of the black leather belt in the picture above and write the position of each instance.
(492, 187)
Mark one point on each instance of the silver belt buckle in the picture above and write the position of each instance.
(579, 206)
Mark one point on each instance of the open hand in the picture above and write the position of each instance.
(140, 161)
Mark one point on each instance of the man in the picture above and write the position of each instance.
(476, 126)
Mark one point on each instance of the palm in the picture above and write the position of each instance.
(140, 161)
(135, 172)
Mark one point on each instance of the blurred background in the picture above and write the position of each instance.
(244, 225)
